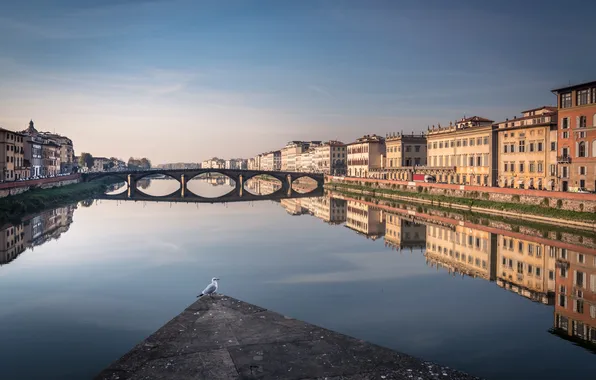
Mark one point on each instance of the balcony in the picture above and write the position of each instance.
(563, 159)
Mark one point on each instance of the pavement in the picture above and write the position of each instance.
(224, 338)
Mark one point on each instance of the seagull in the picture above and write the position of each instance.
(211, 288)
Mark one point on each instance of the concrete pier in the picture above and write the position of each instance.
(223, 338)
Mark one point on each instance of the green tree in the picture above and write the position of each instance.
(86, 160)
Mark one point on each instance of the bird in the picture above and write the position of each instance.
(211, 288)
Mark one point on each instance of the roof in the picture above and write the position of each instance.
(476, 118)
(550, 108)
(531, 117)
(571, 87)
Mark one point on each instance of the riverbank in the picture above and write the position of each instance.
(540, 212)
(224, 338)
(15, 206)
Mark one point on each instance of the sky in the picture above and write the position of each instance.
(185, 80)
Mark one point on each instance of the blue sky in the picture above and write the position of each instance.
(186, 80)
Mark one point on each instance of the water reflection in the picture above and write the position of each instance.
(33, 231)
(426, 251)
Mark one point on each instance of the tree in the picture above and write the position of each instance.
(86, 160)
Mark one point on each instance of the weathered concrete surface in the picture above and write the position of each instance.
(223, 338)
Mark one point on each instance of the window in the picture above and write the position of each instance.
(565, 123)
(464, 142)
(581, 258)
(522, 147)
(578, 306)
(540, 167)
(532, 166)
(582, 121)
(521, 167)
(417, 148)
(582, 170)
(566, 100)
(553, 146)
(531, 147)
(579, 279)
(565, 135)
(551, 275)
(583, 97)
(539, 146)
(505, 148)
(506, 167)
(471, 142)
(479, 161)
(581, 149)
(472, 161)
(479, 141)
(520, 247)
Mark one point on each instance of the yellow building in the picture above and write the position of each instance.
(468, 147)
(404, 152)
(364, 219)
(527, 156)
(12, 242)
(462, 250)
(12, 158)
(366, 155)
(401, 233)
(526, 268)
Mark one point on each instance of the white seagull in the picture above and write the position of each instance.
(211, 288)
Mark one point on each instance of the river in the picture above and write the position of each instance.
(82, 284)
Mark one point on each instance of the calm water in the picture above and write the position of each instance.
(81, 285)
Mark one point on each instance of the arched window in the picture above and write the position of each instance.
(581, 149)
(594, 148)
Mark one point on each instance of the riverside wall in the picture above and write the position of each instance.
(553, 199)
(19, 187)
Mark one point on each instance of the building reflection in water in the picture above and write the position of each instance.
(33, 231)
(551, 270)
(554, 268)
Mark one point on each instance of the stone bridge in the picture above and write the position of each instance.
(183, 194)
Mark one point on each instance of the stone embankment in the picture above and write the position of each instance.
(19, 187)
(224, 338)
(553, 199)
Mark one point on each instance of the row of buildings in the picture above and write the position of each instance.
(304, 156)
(219, 163)
(550, 148)
(33, 154)
(530, 267)
(547, 148)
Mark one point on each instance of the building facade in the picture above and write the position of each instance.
(403, 153)
(527, 156)
(577, 136)
(467, 146)
(50, 153)
(365, 220)
(33, 155)
(365, 155)
(12, 156)
(330, 158)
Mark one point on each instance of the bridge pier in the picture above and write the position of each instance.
(182, 185)
(132, 185)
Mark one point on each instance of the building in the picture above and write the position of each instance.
(305, 161)
(271, 161)
(462, 250)
(469, 147)
(33, 159)
(401, 233)
(330, 210)
(290, 154)
(403, 152)
(365, 155)
(577, 136)
(12, 156)
(526, 268)
(365, 220)
(50, 153)
(101, 164)
(330, 158)
(527, 150)
(575, 298)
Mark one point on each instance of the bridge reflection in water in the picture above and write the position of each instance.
(553, 267)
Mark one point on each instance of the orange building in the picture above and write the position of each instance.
(575, 301)
(577, 136)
